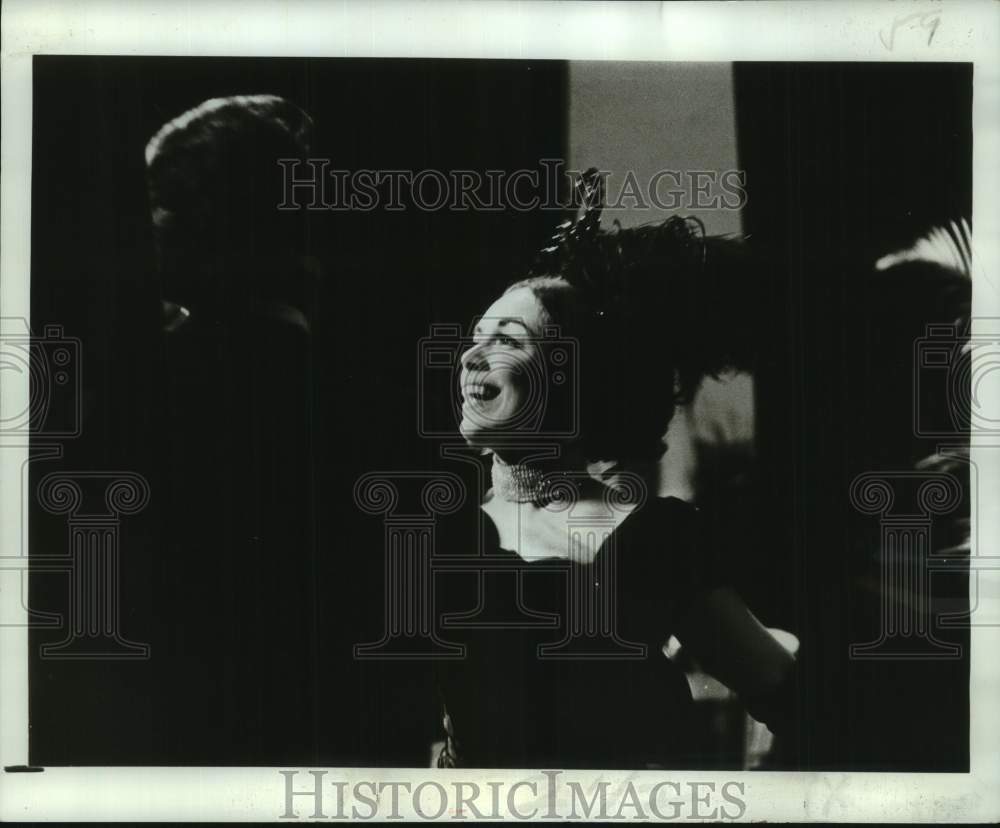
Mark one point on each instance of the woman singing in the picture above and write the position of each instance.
(590, 572)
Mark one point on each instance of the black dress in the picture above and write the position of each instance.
(564, 664)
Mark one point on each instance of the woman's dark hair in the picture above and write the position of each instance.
(651, 311)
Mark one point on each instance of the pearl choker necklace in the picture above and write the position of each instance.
(520, 483)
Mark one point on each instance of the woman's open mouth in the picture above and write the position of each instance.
(480, 392)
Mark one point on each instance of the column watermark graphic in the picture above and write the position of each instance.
(906, 617)
(415, 627)
(94, 628)
(410, 631)
(592, 606)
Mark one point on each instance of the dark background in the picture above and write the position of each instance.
(844, 163)
(251, 641)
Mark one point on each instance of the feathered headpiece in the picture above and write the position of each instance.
(623, 269)
(574, 238)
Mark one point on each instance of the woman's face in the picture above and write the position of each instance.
(501, 381)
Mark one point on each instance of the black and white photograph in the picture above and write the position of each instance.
(474, 432)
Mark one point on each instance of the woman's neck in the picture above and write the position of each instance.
(530, 477)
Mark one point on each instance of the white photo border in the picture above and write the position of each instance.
(965, 31)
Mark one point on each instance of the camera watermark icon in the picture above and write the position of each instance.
(547, 406)
(956, 372)
(93, 561)
(51, 364)
(905, 548)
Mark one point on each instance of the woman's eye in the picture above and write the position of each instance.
(497, 338)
